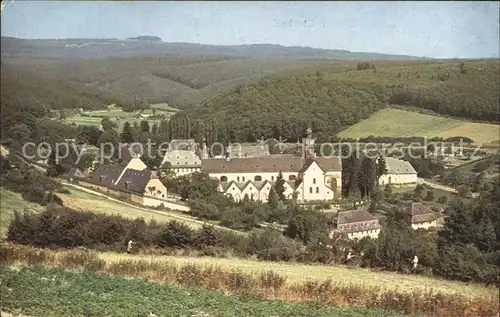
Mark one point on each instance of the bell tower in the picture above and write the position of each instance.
(204, 150)
(308, 145)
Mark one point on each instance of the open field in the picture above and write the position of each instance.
(10, 202)
(264, 284)
(55, 292)
(163, 106)
(391, 122)
(296, 273)
(84, 201)
(119, 116)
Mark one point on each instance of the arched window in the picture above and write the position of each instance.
(223, 178)
(238, 178)
(257, 178)
(291, 177)
(314, 180)
(390, 180)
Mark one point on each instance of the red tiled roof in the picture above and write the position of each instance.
(417, 209)
(352, 216)
(268, 164)
(420, 213)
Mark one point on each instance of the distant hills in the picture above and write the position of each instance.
(152, 45)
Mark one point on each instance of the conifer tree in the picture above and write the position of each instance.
(280, 186)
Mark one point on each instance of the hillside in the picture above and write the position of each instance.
(392, 122)
(180, 80)
(61, 293)
(140, 46)
(332, 102)
(25, 88)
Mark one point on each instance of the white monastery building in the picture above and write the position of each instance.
(356, 224)
(399, 172)
(311, 178)
(421, 217)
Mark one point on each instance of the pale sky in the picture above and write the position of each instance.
(434, 29)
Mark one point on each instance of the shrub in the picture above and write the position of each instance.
(442, 199)
(271, 245)
(204, 210)
(206, 237)
(429, 195)
(176, 234)
(481, 166)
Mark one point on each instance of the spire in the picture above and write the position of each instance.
(204, 149)
(308, 144)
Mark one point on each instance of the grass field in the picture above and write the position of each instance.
(55, 292)
(120, 116)
(392, 122)
(10, 202)
(84, 201)
(297, 273)
(163, 106)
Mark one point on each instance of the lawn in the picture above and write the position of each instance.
(10, 202)
(340, 274)
(84, 201)
(392, 122)
(54, 292)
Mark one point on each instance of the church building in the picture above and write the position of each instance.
(310, 177)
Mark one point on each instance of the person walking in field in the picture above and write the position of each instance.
(348, 258)
(415, 262)
(129, 246)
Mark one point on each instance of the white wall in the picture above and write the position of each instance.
(424, 225)
(159, 191)
(179, 171)
(136, 164)
(372, 233)
(314, 184)
(243, 177)
(251, 191)
(397, 179)
(154, 202)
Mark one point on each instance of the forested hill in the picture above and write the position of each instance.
(24, 89)
(287, 106)
(102, 48)
(25, 98)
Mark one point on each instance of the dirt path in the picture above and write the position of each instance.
(437, 186)
(172, 215)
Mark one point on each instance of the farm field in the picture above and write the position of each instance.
(9, 203)
(55, 292)
(164, 107)
(392, 122)
(120, 116)
(296, 273)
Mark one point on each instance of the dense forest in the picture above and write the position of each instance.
(183, 81)
(330, 103)
(286, 107)
(326, 95)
